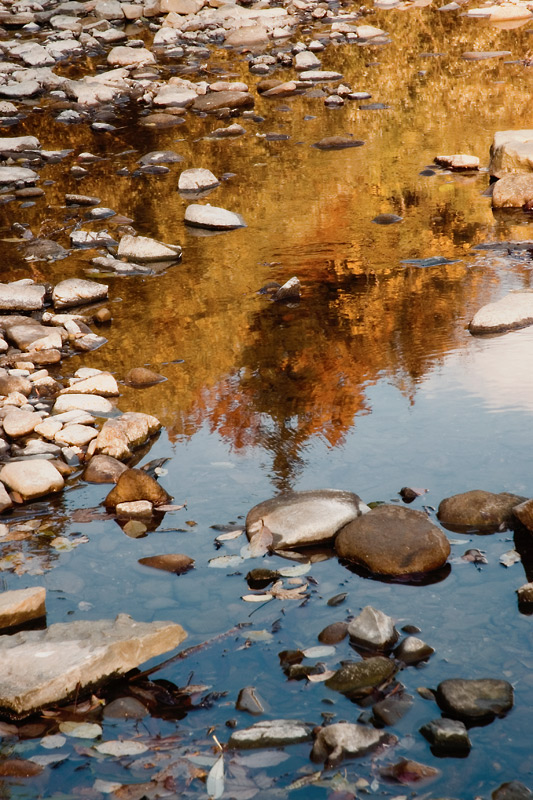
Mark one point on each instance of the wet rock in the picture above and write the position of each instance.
(146, 250)
(512, 790)
(123, 56)
(136, 484)
(395, 541)
(226, 133)
(125, 708)
(513, 191)
(373, 630)
(511, 151)
(391, 709)
(270, 733)
(458, 162)
(291, 290)
(76, 435)
(18, 422)
(118, 437)
(174, 96)
(31, 479)
(344, 740)
(248, 701)
(334, 633)
(447, 737)
(214, 101)
(524, 513)
(14, 383)
(81, 200)
(474, 701)
(22, 605)
(197, 180)
(104, 384)
(94, 404)
(16, 174)
(103, 469)
(387, 219)
(413, 650)
(303, 518)
(212, 218)
(512, 312)
(317, 75)
(32, 336)
(337, 143)
(478, 510)
(140, 376)
(156, 157)
(76, 291)
(360, 678)
(135, 509)
(16, 144)
(525, 594)
(5, 500)
(407, 771)
(44, 667)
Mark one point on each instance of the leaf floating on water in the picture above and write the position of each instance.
(222, 562)
(19, 768)
(215, 779)
(171, 562)
(259, 544)
(294, 572)
(63, 544)
(320, 651)
(259, 636)
(227, 537)
(50, 760)
(50, 742)
(288, 594)
(81, 730)
(305, 781)
(170, 507)
(119, 748)
(432, 261)
(509, 558)
(257, 598)
(337, 599)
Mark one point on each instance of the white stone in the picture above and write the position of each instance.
(19, 423)
(135, 509)
(341, 739)
(103, 384)
(145, 250)
(270, 733)
(75, 291)
(17, 174)
(17, 143)
(320, 75)
(458, 161)
(306, 60)
(213, 217)
(14, 297)
(373, 629)
(118, 437)
(195, 180)
(130, 56)
(31, 479)
(173, 96)
(511, 151)
(76, 435)
(48, 428)
(368, 32)
(515, 310)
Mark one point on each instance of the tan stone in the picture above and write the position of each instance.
(511, 151)
(31, 478)
(103, 384)
(103, 469)
(136, 509)
(21, 605)
(118, 436)
(76, 435)
(19, 423)
(524, 512)
(513, 191)
(181, 6)
(136, 484)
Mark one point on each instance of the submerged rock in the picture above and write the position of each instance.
(344, 740)
(395, 541)
(44, 667)
(337, 143)
(511, 151)
(513, 191)
(392, 708)
(216, 100)
(373, 630)
(478, 510)
(140, 376)
(447, 737)
(213, 218)
(298, 519)
(512, 790)
(360, 678)
(475, 701)
(271, 733)
(21, 605)
(249, 701)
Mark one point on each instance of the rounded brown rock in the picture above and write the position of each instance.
(394, 541)
(478, 510)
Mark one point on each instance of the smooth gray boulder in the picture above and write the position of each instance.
(297, 519)
(197, 180)
(22, 605)
(31, 479)
(21, 297)
(511, 151)
(76, 291)
(511, 312)
(447, 737)
(475, 701)
(212, 217)
(44, 667)
(395, 541)
(478, 510)
(344, 740)
(270, 733)
(373, 630)
(360, 678)
(146, 250)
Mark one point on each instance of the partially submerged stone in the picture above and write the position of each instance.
(524, 513)
(146, 250)
(270, 733)
(103, 469)
(478, 510)
(22, 605)
(475, 701)
(44, 667)
(512, 312)
(197, 180)
(31, 479)
(76, 291)
(413, 650)
(212, 217)
(141, 376)
(512, 790)
(373, 630)
(458, 161)
(118, 437)
(360, 678)
(103, 385)
(447, 737)
(298, 519)
(344, 740)
(513, 191)
(214, 101)
(136, 484)
(395, 541)
(511, 151)
(21, 297)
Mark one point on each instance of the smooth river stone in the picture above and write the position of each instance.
(19, 422)
(212, 217)
(103, 469)
(146, 250)
(94, 404)
(270, 733)
(362, 677)
(15, 144)
(511, 151)
(513, 191)
(344, 740)
(478, 510)
(213, 101)
(395, 541)
(197, 180)
(33, 478)
(372, 629)
(104, 384)
(118, 437)
(123, 56)
(76, 291)
(17, 174)
(136, 484)
(22, 605)
(44, 667)
(475, 701)
(304, 518)
(76, 435)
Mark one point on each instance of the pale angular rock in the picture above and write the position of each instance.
(17, 90)
(103, 469)
(513, 311)
(76, 291)
(92, 403)
(104, 384)
(306, 60)
(212, 217)
(22, 605)
(318, 75)
(511, 151)
(475, 701)
(17, 143)
(500, 13)
(478, 510)
(181, 6)
(119, 436)
(197, 180)
(513, 191)
(372, 629)
(270, 733)
(48, 428)
(76, 435)
(32, 336)
(135, 509)
(174, 96)
(146, 250)
(122, 56)
(458, 161)
(368, 32)
(413, 650)
(19, 422)
(344, 740)
(304, 518)
(248, 36)
(16, 174)
(44, 667)
(31, 478)
(108, 9)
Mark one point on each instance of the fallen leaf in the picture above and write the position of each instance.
(51, 759)
(81, 730)
(261, 759)
(258, 636)
(321, 676)
(509, 558)
(227, 537)
(259, 544)
(288, 594)
(115, 747)
(320, 651)
(50, 742)
(64, 544)
(296, 571)
(88, 514)
(170, 507)
(221, 562)
(305, 781)
(257, 598)
(215, 779)
(171, 562)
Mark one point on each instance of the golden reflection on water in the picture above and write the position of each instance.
(271, 376)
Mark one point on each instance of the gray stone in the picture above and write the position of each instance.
(396, 541)
(76, 291)
(44, 667)
(373, 630)
(478, 510)
(413, 650)
(447, 737)
(103, 469)
(513, 191)
(125, 708)
(270, 733)
(344, 740)
(212, 217)
(22, 605)
(248, 701)
(16, 174)
(512, 790)
(392, 708)
(475, 701)
(146, 250)
(304, 518)
(513, 311)
(360, 678)
(108, 9)
(31, 478)
(511, 151)
(197, 180)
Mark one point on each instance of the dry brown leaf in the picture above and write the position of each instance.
(261, 542)
(288, 594)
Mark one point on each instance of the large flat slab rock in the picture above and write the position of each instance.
(21, 297)
(44, 667)
(511, 151)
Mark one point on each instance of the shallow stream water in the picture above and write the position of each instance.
(370, 383)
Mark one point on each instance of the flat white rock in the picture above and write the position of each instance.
(17, 174)
(76, 291)
(14, 297)
(197, 180)
(212, 217)
(515, 310)
(511, 151)
(145, 250)
(270, 733)
(18, 143)
(21, 605)
(103, 384)
(130, 56)
(95, 404)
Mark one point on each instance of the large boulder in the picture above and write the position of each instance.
(118, 437)
(298, 519)
(478, 511)
(513, 191)
(511, 151)
(395, 541)
(513, 311)
(475, 701)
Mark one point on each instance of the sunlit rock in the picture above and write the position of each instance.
(248, 36)
(103, 469)
(513, 311)
(76, 435)
(344, 740)
(118, 437)
(513, 191)
(18, 90)
(104, 384)
(475, 701)
(214, 101)
(15, 144)
(298, 519)
(141, 376)
(44, 667)
(395, 541)
(413, 650)
(14, 383)
(19, 422)
(30, 479)
(136, 484)
(373, 630)
(123, 56)
(76, 291)
(146, 250)
(478, 510)
(174, 96)
(108, 9)
(500, 13)
(134, 509)
(17, 174)
(270, 733)
(306, 60)
(458, 162)
(21, 297)
(22, 605)
(511, 151)
(197, 180)
(212, 217)
(93, 403)
(318, 75)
